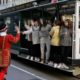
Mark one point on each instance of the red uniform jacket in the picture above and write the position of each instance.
(7, 45)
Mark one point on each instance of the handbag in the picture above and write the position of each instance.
(4, 56)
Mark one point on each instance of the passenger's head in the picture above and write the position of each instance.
(36, 23)
(56, 23)
(48, 21)
(3, 27)
(68, 23)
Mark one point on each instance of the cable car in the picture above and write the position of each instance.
(67, 9)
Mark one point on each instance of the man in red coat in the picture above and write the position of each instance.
(5, 45)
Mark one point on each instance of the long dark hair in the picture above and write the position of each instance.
(56, 22)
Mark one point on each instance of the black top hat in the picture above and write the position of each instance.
(2, 26)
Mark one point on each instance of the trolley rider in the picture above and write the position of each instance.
(5, 44)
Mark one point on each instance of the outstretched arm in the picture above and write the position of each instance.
(27, 32)
(15, 39)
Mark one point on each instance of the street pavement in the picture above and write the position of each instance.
(20, 71)
(16, 73)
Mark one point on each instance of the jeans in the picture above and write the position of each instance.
(45, 42)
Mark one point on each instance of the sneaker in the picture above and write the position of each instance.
(50, 63)
(55, 65)
(31, 59)
(37, 59)
(28, 57)
(65, 66)
(42, 61)
(59, 66)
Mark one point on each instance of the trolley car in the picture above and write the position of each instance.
(69, 8)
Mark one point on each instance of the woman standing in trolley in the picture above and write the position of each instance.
(55, 41)
(44, 40)
(66, 42)
(5, 44)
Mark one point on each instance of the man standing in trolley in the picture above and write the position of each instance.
(5, 44)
